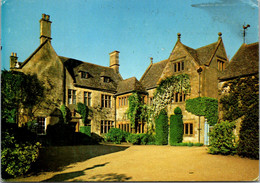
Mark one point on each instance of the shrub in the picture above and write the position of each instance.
(248, 144)
(115, 135)
(134, 139)
(176, 127)
(161, 128)
(222, 139)
(17, 158)
(86, 130)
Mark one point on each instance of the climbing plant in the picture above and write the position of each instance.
(165, 94)
(137, 111)
(83, 111)
(66, 114)
(204, 106)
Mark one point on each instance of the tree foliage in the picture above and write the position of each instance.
(19, 90)
(222, 139)
(204, 106)
(176, 127)
(161, 122)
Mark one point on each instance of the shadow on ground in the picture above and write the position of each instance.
(66, 176)
(53, 159)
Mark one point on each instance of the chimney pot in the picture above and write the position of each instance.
(43, 16)
(15, 54)
(12, 54)
(47, 17)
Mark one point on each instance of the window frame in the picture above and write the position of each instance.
(72, 96)
(190, 129)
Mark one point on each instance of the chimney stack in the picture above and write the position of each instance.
(114, 60)
(45, 28)
(13, 61)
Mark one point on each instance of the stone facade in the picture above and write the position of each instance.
(103, 90)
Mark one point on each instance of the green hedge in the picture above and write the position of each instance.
(204, 106)
(187, 144)
(86, 130)
(115, 135)
(222, 139)
(176, 127)
(161, 129)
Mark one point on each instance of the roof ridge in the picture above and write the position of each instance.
(206, 46)
(86, 62)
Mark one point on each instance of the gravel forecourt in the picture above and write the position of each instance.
(142, 163)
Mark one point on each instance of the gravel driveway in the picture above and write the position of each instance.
(141, 163)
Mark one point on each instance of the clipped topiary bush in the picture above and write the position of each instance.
(161, 129)
(176, 127)
(248, 144)
(222, 139)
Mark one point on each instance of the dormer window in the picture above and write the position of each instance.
(85, 75)
(106, 79)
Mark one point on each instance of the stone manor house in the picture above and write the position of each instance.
(69, 81)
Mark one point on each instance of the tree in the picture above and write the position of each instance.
(66, 114)
(19, 91)
(161, 128)
(176, 127)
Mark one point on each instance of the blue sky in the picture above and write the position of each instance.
(89, 30)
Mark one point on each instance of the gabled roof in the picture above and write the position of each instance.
(35, 51)
(192, 52)
(96, 73)
(129, 85)
(152, 74)
(244, 63)
(205, 53)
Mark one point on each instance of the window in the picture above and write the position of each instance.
(107, 79)
(221, 65)
(87, 98)
(122, 101)
(106, 101)
(84, 75)
(179, 97)
(71, 96)
(105, 126)
(188, 129)
(178, 66)
(41, 125)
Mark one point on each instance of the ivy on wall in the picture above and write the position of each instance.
(83, 111)
(204, 106)
(165, 94)
(137, 111)
(66, 114)
(240, 95)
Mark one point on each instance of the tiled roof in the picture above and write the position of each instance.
(204, 53)
(193, 53)
(245, 62)
(96, 74)
(129, 85)
(152, 74)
